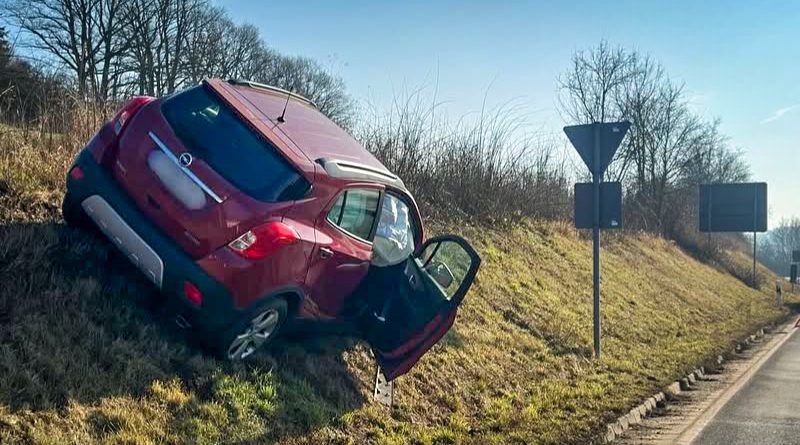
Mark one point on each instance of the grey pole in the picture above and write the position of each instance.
(754, 260)
(596, 239)
(755, 219)
(710, 193)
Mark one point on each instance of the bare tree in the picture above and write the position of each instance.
(161, 31)
(104, 68)
(775, 250)
(307, 77)
(221, 48)
(140, 30)
(84, 35)
(246, 53)
(669, 149)
(711, 159)
(153, 47)
(204, 53)
(593, 81)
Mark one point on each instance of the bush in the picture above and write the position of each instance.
(486, 171)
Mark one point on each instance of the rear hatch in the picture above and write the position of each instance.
(202, 173)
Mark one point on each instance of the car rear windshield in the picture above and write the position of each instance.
(215, 134)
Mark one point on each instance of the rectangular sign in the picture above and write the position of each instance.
(610, 205)
(740, 207)
(796, 256)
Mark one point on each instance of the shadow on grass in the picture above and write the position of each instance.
(78, 324)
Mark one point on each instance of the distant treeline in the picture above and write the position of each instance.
(775, 248)
(108, 49)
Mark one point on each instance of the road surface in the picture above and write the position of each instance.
(766, 411)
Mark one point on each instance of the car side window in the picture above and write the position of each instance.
(355, 211)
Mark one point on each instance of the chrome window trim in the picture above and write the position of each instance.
(161, 146)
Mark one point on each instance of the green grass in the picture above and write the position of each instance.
(87, 356)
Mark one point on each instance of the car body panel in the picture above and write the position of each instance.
(304, 125)
(339, 261)
(198, 231)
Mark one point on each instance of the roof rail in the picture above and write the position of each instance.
(263, 86)
(338, 168)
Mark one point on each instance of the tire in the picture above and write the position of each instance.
(73, 213)
(253, 331)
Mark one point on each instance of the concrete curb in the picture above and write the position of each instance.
(673, 390)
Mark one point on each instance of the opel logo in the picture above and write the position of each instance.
(186, 159)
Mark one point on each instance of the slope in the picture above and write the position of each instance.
(88, 356)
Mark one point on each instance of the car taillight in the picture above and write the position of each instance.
(76, 173)
(126, 113)
(192, 293)
(264, 240)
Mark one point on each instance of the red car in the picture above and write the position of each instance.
(254, 213)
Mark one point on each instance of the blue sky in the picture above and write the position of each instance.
(739, 61)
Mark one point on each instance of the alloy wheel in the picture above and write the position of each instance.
(255, 334)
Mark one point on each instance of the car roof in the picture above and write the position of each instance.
(316, 135)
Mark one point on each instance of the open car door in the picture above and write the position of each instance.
(419, 299)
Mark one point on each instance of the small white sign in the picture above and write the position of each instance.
(384, 390)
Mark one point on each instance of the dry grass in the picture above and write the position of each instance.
(519, 173)
(86, 356)
(33, 166)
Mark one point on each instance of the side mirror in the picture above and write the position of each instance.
(440, 273)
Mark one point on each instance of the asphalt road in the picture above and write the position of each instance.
(766, 411)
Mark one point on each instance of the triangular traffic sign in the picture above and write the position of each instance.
(582, 138)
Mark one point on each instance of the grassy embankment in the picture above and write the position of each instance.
(86, 357)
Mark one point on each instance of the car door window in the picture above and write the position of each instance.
(355, 212)
(447, 264)
(394, 235)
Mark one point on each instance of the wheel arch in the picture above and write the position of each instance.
(294, 297)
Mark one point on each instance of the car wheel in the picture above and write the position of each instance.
(254, 330)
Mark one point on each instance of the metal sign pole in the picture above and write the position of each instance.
(710, 200)
(596, 240)
(596, 144)
(755, 219)
(754, 261)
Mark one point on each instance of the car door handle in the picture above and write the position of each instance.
(325, 253)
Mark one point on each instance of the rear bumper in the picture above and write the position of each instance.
(159, 258)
